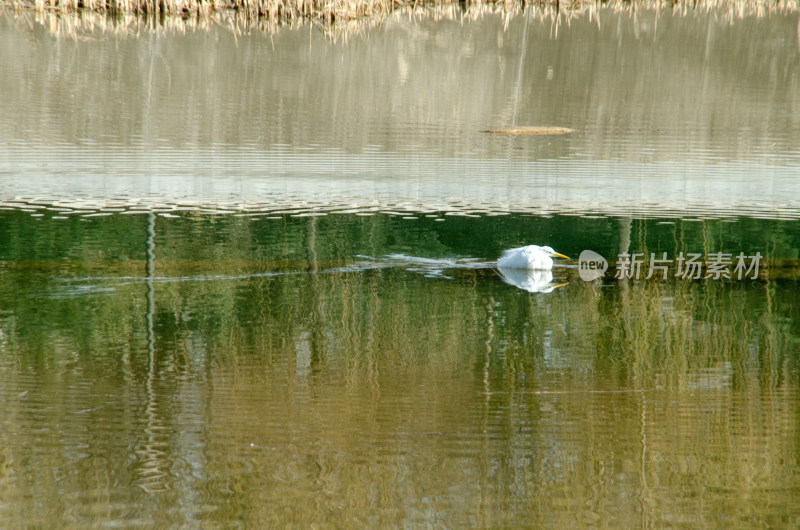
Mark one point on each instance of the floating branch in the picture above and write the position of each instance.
(531, 130)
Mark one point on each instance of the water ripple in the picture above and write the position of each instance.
(276, 183)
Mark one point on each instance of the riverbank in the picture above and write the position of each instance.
(337, 11)
(337, 19)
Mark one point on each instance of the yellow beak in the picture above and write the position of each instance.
(556, 254)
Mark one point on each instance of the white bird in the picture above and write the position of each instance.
(531, 257)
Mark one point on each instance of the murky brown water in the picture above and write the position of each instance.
(675, 114)
(248, 280)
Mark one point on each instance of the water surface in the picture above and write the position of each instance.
(248, 280)
(682, 114)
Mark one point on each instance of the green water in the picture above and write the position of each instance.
(354, 370)
(249, 280)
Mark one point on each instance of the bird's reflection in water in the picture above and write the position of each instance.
(533, 281)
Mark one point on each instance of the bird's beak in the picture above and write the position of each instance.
(556, 254)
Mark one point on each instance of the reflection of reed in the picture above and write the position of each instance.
(376, 319)
(360, 391)
(337, 18)
(151, 472)
(357, 391)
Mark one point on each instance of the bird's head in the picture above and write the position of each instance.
(553, 254)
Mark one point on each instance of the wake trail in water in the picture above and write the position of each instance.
(428, 267)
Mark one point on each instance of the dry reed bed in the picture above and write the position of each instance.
(341, 10)
(327, 10)
(337, 19)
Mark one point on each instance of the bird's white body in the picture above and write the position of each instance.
(531, 257)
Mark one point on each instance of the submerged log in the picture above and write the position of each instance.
(530, 129)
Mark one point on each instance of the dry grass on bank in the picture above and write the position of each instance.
(339, 10)
(336, 18)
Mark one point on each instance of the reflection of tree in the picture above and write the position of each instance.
(152, 473)
(273, 384)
